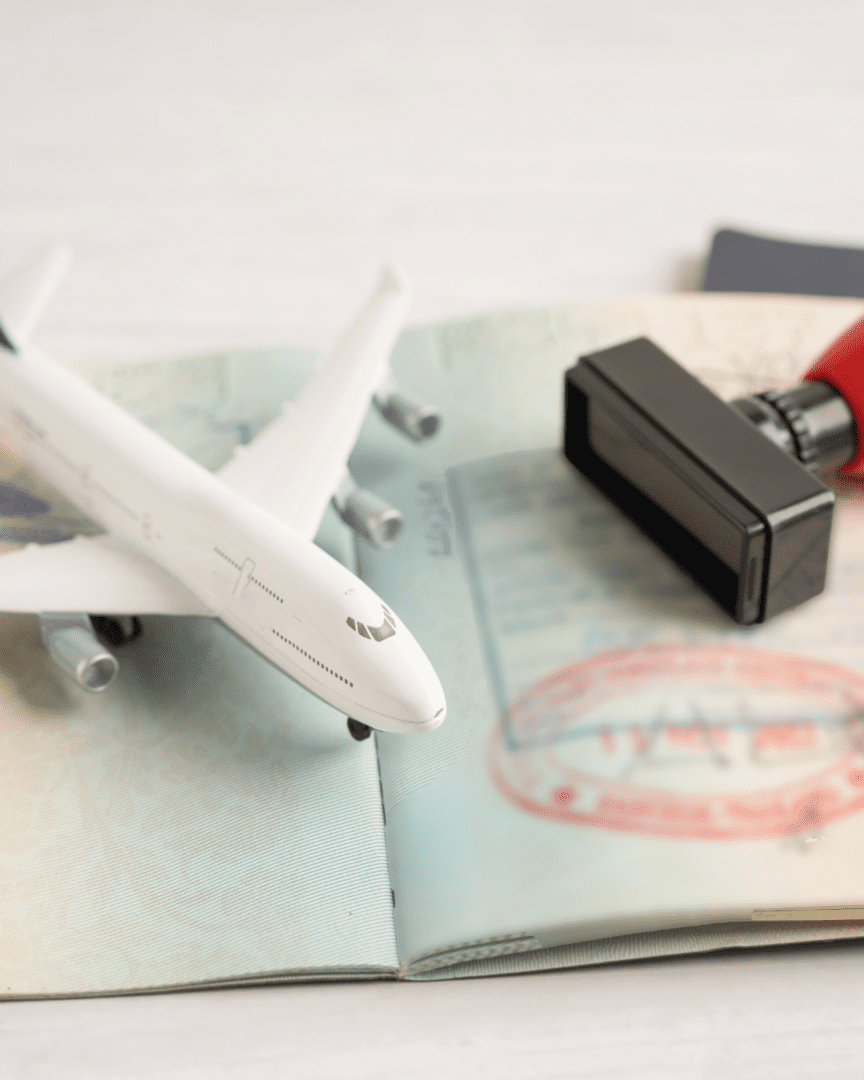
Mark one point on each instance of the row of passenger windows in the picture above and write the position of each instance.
(269, 592)
(309, 656)
(228, 558)
(377, 633)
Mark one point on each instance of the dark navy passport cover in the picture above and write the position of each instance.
(743, 262)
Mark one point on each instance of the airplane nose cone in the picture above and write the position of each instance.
(435, 719)
(422, 706)
(401, 690)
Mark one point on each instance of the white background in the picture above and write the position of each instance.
(233, 173)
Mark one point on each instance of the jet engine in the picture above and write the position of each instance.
(73, 647)
(407, 413)
(370, 517)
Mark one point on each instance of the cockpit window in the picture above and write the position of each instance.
(376, 633)
(385, 630)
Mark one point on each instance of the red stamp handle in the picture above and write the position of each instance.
(842, 365)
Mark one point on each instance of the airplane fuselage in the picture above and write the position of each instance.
(286, 597)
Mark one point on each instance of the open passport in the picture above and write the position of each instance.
(623, 771)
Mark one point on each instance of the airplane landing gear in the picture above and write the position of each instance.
(358, 730)
(117, 630)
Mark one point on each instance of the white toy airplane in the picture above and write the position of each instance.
(236, 545)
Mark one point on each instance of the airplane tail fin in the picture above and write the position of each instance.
(26, 290)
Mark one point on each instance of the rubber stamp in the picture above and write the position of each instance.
(728, 490)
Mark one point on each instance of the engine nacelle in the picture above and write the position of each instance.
(370, 517)
(73, 647)
(411, 416)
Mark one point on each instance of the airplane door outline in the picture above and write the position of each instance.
(243, 579)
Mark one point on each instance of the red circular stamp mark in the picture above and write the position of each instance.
(715, 742)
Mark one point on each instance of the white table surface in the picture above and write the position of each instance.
(233, 174)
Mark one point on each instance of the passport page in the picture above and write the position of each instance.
(619, 758)
(206, 819)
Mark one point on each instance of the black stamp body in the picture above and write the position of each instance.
(718, 489)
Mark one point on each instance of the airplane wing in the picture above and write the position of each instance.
(296, 464)
(26, 290)
(98, 574)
